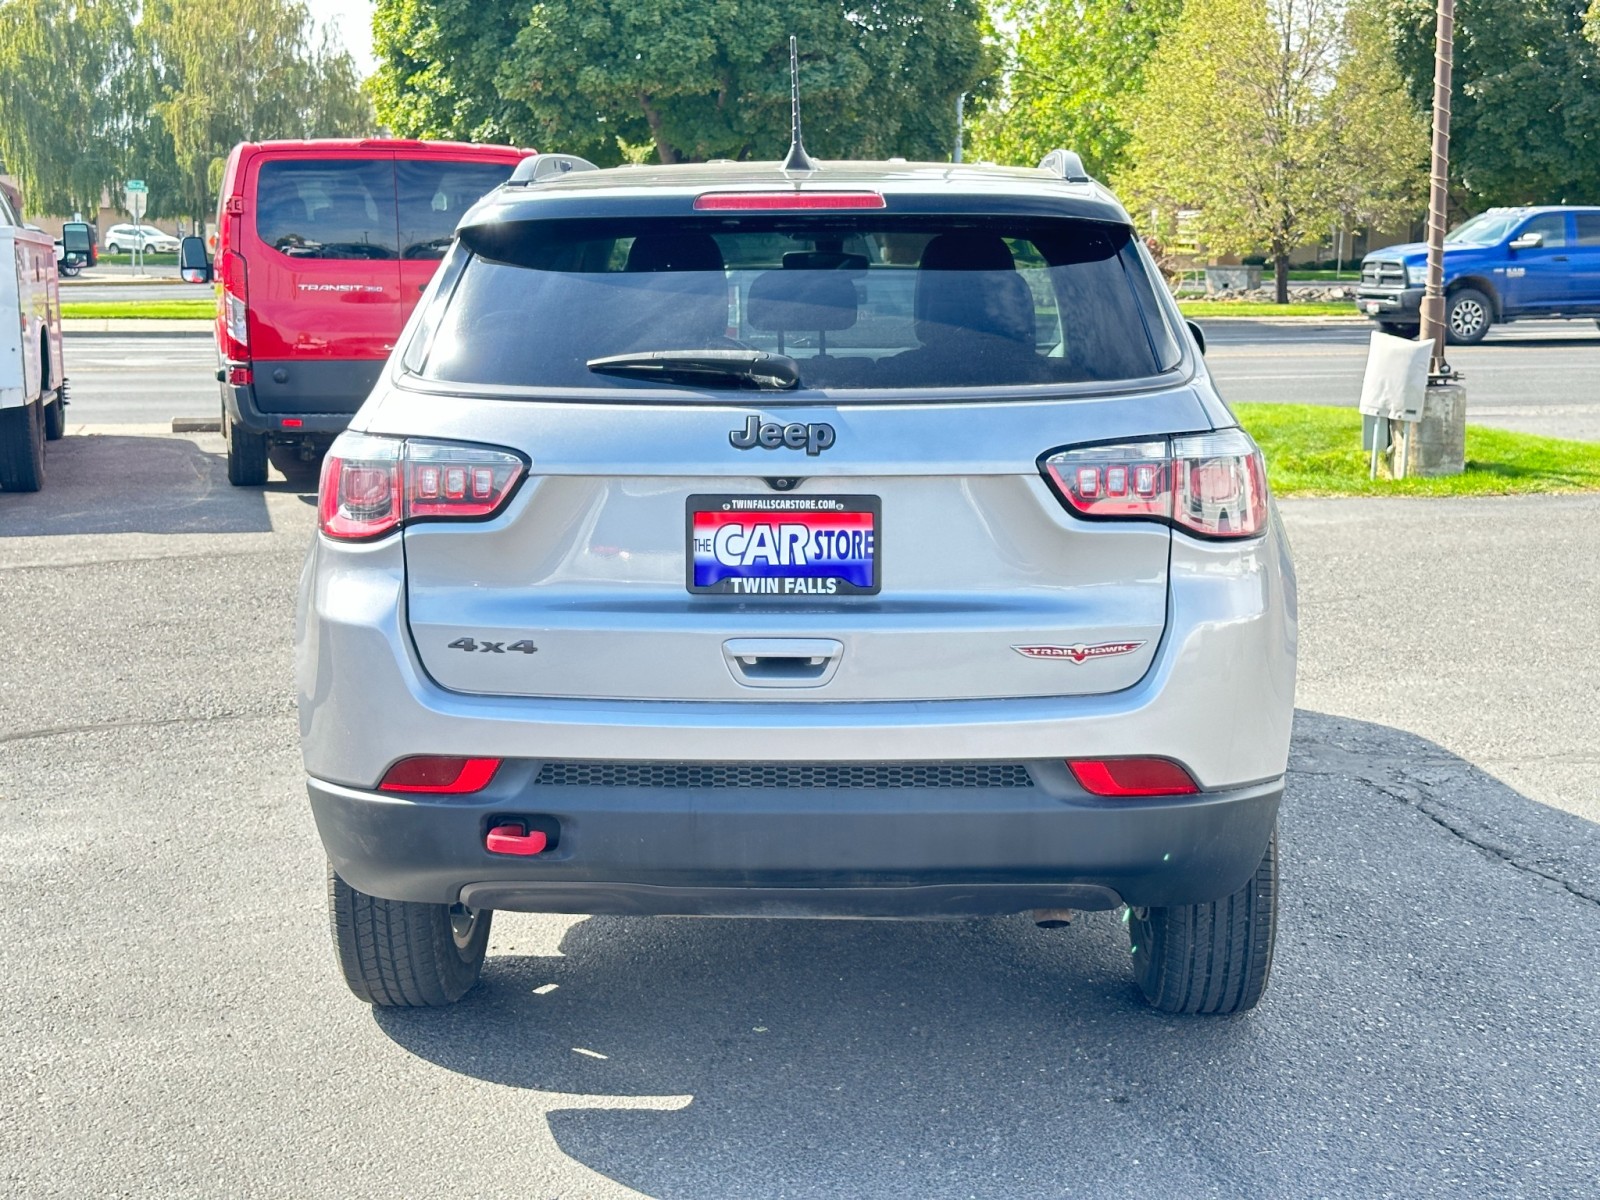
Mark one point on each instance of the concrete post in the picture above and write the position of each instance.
(1438, 442)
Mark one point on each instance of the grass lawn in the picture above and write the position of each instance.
(151, 258)
(1256, 308)
(125, 309)
(1314, 451)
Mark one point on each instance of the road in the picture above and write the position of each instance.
(1535, 376)
(1538, 377)
(139, 379)
(173, 1024)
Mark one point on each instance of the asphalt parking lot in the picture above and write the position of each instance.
(174, 1024)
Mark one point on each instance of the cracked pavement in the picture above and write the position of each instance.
(173, 1023)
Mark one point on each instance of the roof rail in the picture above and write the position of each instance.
(539, 168)
(1065, 164)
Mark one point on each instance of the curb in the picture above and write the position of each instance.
(136, 325)
(196, 425)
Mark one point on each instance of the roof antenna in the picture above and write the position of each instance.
(798, 159)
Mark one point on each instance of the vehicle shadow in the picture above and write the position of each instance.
(115, 483)
(710, 1059)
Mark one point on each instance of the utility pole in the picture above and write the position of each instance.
(1437, 443)
(1433, 315)
(961, 118)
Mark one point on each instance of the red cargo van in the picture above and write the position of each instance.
(323, 249)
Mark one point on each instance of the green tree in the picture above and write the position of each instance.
(1381, 138)
(229, 70)
(1069, 78)
(1258, 116)
(1525, 123)
(437, 62)
(686, 79)
(66, 72)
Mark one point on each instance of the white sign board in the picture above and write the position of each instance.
(1397, 378)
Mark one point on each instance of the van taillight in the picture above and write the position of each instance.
(235, 307)
(373, 485)
(1210, 484)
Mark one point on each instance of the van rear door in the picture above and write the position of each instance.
(434, 191)
(323, 275)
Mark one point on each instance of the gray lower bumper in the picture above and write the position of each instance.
(1390, 303)
(787, 852)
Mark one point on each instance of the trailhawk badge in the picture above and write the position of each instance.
(1078, 653)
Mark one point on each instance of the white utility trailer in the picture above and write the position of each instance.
(33, 383)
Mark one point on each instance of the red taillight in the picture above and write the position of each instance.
(1211, 484)
(234, 298)
(788, 201)
(1132, 777)
(373, 485)
(439, 774)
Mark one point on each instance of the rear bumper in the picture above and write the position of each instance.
(1392, 303)
(294, 399)
(810, 852)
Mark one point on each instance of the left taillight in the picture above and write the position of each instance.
(1210, 484)
(373, 485)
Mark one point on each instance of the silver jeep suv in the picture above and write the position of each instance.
(865, 541)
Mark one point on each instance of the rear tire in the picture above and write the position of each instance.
(247, 456)
(55, 420)
(22, 449)
(1210, 958)
(1468, 314)
(397, 954)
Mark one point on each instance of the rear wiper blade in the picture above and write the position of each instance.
(709, 368)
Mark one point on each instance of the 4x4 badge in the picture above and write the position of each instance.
(769, 435)
(1078, 653)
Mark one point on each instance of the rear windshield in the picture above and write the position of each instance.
(368, 208)
(857, 303)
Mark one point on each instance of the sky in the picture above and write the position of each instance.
(351, 21)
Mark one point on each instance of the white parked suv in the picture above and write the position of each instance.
(124, 239)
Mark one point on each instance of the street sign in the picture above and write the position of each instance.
(136, 185)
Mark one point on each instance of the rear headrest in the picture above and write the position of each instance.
(801, 301)
(984, 304)
(674, 252)
(967, 252)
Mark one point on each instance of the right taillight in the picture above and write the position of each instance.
(1210, 484)
(373, 485)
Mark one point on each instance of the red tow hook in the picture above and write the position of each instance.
(514, 839)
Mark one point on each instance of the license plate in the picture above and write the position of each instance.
(1372, 308)
(783, 545)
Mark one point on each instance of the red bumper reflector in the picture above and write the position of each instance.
(441, 774)
(291, 423)
(511, 839)
(1132, 777)
(784, 201)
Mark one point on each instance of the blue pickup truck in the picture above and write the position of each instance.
(1507, 264)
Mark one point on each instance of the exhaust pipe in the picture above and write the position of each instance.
(1052, 918)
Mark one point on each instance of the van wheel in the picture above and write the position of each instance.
(398, 954)
(1467, 317)
(247, 457)
(1210, 958)
(21, 449)
(55, 420)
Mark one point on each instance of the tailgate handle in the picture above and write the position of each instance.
(782, 662)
